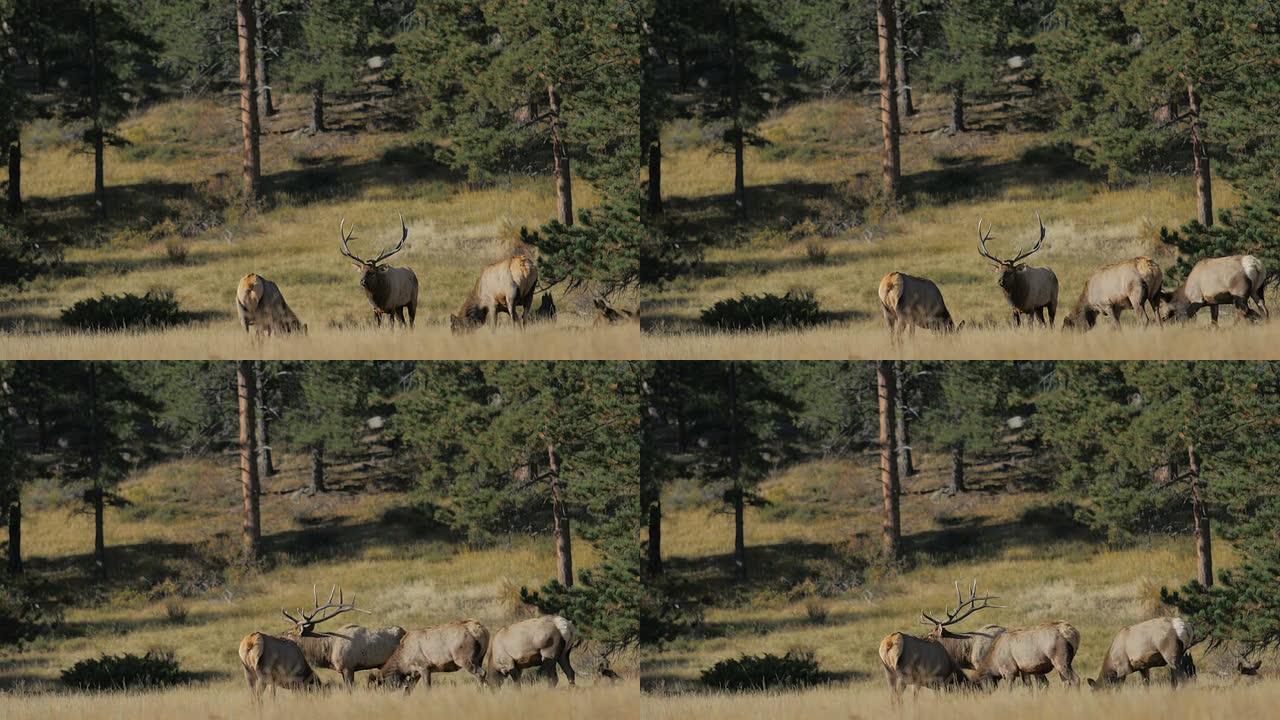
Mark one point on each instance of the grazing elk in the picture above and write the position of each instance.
(1133, 283)
(913, 302)
(1031, 652)
(1149, 644)
(260, 303)
(443, 648)
(1234, 280)
(350, 648)
(391, 290)
(1030, 290)
(503, 285)
(939, 658)
(541, 642)
(276, 662)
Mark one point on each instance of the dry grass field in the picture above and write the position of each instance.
(822, 516)
(806, 231)
(183, 165)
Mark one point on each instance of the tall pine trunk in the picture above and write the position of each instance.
(247, 29)
(886, 390)
(15, 537)
(95, 115)
(655, 177)
(317, 468)
(904, 82)
(560, 517)
(247, 393)
(957, 109)
(267, 108)
(735, 111)
(735, 475)
(15, 177)
(906, 466)
(560, 159)
(95, 470)
(891, 163)
(262, 430)
(1200, 520)
(1200, 157)
(317, 109)
(957, 468)
(655, 538)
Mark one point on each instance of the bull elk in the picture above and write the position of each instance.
(542, 642)
(1149, 644)
(1029, 290)
(260, 303)
(271, 661)
(351, 648)
(939, 658)
(909, 301)
(1233, 280)
(502, 286)
(1133, 283)
(1031, 652)
(391, 290)
(443, 648)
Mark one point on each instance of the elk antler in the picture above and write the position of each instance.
(982, 244)
(1022, 254)
(1039, 242)
(957, 615)
(404, 235)
(329, 609)
(346, 238)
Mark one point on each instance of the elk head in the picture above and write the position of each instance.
(369, 269)
(964, 608)
(1008, 269)
(306, 620)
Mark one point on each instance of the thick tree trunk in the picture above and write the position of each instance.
(15, 177)
(99, 535)
(264, 75)
(655, 538)
(735, 111)
(886, 385)
(247, 392)
(317, 468)
(95, 114)
(655, 177)
(247, 29)
(262, 431)
(735, 474)
(15, 537)
(95, 472)
(957, 469)
(1200, 157)
(560, 160)
(904, 82)
(560, 516)
(317, 110)
(1200, 519)
(891, 163)
(906, 467)
(957, 109)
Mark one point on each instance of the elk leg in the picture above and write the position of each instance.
(515, 675)
(1115, 314)
(566, 667)
(1017, 319)
(1213, 315)
(548, 672)
(377, 318)
(413, 312)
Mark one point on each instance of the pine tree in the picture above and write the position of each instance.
(324, 50)
(964, 48)
(891, 163)
(966, 413)
(246, 395)
(325, 411)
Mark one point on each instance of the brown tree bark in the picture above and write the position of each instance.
(560, 160)
(891, 162)
(317, 110)
(906, 466)
(655, 538)
(560, 517)
(957, 109)
(95, 115)
(247, 391)
(264, 76)
(15, 177)
(262, 430)
(957, 469)
(15, 537)
(735, 110)
(1200, 159)
(97, 492)
(1200, 520)
(655, 177)
(892, 527)
(317, 468)
(735, 474)
(904, 82)
(247, 29)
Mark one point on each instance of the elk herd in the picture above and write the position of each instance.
(1135, 284)
(945, 658)
(400, 658)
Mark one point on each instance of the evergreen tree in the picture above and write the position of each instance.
(324, 50)
(325, 411)
(964, 49)
(966, 412)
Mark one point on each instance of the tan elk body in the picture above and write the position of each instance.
(444, 648)
(1133, 283)
(271, 661)
(542, 642)
(939, 659)
(260, 303)
(502, 286)
(1158, 642)
(909, 301)
(1029, 290)
(391, 290)
(1232, 280)
(348, 649)
(1031, 652)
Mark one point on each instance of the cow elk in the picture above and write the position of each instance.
(440, 649)
(542, 642)
(1232, 280)
(260, 303)
(502, 286)
(351, 648)
(391, 290)
(1031, 652)
(271, 661)
(909, 301)
(938, 659)
(1029, 290)
(1133, 283)
(1149, 644)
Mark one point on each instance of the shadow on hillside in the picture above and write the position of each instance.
(766, 206)
(968, 539)
(669, 683)
(968, 179)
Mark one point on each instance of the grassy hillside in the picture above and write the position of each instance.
(173, 223)
(816, 223)
(811, 586)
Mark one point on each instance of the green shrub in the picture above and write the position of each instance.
(156, 308)
(21, 258)
(760, 312)
(795, 669)
(22, 617)
(157, 668)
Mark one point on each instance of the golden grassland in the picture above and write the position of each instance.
(185, 152)
(398, 563)
(1009, 536)
(997, 172)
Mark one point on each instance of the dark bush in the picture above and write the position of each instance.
(156, 668)
(156, 308)
(796, 669)
(760, 312)
(22, 616)
(21, 258)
